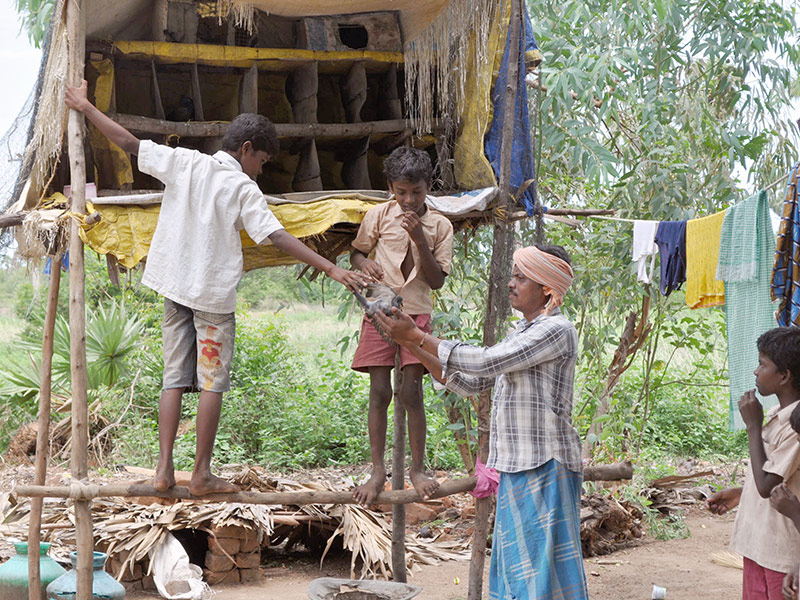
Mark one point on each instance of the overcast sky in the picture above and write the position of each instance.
(19, 65)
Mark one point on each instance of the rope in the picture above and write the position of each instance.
(81, 491)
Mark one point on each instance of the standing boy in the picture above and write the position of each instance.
(412, 247)
(768, 541)
(195, 262)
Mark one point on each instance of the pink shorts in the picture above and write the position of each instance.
(760, 583)
(374, 351)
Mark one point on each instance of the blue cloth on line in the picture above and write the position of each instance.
(536, 546)
(786, 266)
(671, 240)
(522, 168)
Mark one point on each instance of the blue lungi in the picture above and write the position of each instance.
(536, 548)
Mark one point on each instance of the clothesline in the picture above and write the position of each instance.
(624, 220)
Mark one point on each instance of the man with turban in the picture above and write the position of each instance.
(536, 549)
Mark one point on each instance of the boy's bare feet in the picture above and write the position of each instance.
(210, 484)
(164, 478)
(424, 485)
(365, 493)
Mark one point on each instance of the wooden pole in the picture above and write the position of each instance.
(43, 428)
(79, 464)
(146, 490)
(398, 479)
(497, 307)
(284, 130)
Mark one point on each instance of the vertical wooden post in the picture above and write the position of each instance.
(43, 428)
(398, 479)
(79, 463)
(248, 90)
(497, 307)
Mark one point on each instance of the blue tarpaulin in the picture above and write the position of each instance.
(522, 168)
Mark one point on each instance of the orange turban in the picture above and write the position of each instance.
(548, 270)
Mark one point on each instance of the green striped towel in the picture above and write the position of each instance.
(746, 252)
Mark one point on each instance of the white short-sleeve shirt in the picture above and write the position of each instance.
(195, 256)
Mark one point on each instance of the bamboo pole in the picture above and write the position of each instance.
(398, 478)
(79, 463)
(43, 428)
(146, 490)
(497, 307)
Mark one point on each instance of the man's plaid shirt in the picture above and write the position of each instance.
(532, 371)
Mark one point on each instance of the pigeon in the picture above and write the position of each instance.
(379, 297)
(183, 112)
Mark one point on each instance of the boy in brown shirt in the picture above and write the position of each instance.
(768, 541)
(412, 246)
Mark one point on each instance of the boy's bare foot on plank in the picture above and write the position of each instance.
(164, 479)
(365, 493)
(210, 484)
(424, 485)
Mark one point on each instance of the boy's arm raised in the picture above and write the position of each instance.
(753, 417)
(76, 98)
(285, 241)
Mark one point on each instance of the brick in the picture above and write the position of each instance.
(132, 586)
(218, 562)
(248, 575)
(217, 577)
(132, 572)
(248, 561)
(148, 583)
(232, 531)
(223, 545)
(419, 513)
(250, 543)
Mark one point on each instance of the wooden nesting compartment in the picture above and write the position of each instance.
(338, 109)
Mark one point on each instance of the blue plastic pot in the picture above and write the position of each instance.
(104, 586)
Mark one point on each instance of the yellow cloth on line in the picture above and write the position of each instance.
(125, 231)
(702, 254)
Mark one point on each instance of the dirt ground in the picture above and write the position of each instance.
(683, 567)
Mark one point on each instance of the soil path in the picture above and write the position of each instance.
(683, 567)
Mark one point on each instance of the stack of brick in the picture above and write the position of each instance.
(134, 579)
(234, 555)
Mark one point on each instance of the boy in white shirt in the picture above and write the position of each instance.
(195, 262)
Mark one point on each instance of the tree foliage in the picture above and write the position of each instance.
(655, 108)
(35, 18)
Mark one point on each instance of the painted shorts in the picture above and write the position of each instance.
(198, 348)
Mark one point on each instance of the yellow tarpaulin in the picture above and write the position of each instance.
(126, 231)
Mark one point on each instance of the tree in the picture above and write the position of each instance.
(651, 107)
(35, 18)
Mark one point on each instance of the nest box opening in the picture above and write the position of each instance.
(353, 35)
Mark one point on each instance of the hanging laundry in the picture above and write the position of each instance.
(644, 247)
(786, 268)
(703, 289)
(671, 240)
(745, 262)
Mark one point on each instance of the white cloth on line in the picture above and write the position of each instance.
(644, 246)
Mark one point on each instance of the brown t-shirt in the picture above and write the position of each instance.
(760, 532)
(381, 232)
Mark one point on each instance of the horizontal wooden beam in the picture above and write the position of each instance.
(285, 130)
(612, 472)
(130, 490)
(12, 219)
(78, 491)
